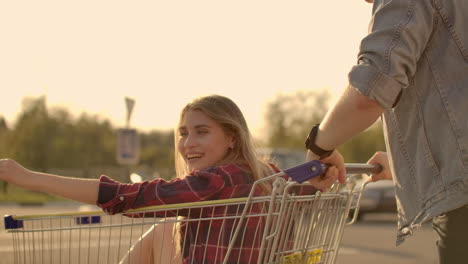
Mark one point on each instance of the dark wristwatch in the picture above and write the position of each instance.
(310, 144)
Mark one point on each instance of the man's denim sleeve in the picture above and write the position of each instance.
(398, 34)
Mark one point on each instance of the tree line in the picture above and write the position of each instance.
(289, 118)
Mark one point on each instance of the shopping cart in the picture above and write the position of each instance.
(284, 227)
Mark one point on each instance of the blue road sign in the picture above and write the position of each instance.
(128, 146)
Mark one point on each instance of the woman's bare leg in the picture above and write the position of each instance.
(160, 244)
(167, 248)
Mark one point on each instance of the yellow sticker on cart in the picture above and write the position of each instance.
(310, 257)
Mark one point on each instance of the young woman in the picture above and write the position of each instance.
(215, 159)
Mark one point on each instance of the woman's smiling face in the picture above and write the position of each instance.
(203, 142)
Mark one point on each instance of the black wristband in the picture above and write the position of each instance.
(310, 144)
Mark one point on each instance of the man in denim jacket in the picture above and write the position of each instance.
(412, 68)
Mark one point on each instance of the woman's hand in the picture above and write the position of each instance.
(12, 172)
(381, 158)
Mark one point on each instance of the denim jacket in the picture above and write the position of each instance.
(414, 62)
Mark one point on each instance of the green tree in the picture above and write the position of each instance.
(290, 116)
(95, 141)
(3, 137)
(157, 151)
(3, 147)
(29, 142)
(361, 147)
(43, 139)
(3, 124)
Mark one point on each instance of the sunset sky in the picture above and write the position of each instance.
(88, 55)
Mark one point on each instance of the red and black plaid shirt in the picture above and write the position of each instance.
(203, 241)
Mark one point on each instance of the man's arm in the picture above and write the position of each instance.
(350, 115)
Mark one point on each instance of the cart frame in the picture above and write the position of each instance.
(294, 228)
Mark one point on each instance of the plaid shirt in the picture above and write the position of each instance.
(203, 241)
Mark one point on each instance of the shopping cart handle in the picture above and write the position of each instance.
(314, 168)
(306, 171)
(358, 168)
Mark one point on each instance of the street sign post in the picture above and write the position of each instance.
(129, 103)
(128, 142)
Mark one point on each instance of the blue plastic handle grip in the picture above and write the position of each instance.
(305, 171)
(11, 223)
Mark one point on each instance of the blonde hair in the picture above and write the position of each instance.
(226, 113)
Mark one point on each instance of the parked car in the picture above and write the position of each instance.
(378, 197)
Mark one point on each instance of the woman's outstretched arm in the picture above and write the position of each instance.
(82, 190)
